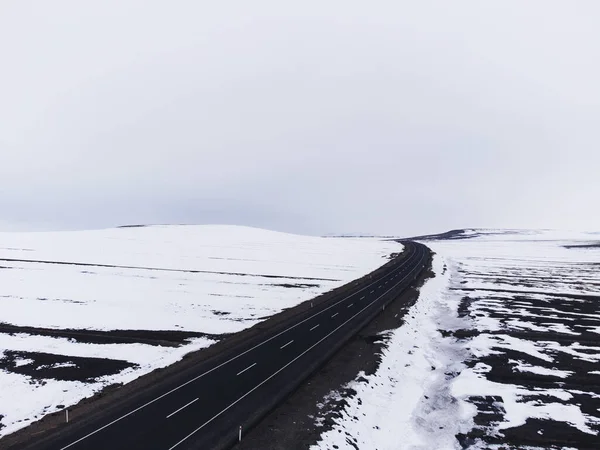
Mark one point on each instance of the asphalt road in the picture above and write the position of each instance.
(206, 410)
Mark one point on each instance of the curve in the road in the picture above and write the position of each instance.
(210, 409)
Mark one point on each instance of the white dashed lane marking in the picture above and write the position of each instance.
(284, 346)
(182, 408)
(247, 368)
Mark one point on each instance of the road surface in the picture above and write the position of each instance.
(207, 409)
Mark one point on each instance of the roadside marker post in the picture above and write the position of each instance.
(240, 435)
(67, 415)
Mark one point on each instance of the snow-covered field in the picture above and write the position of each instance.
(80, 311)
(502, 350)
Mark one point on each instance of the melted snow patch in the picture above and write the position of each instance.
(522, 367)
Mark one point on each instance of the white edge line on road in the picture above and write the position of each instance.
(246, 369)
(287, 365)
(284, 346)
(225, 362)
(315, 327)
(182, 408)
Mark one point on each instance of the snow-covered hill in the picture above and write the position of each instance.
(83, 310)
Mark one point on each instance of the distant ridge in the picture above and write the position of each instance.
(448, 235)
(468, 233)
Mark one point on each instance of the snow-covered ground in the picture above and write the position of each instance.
(64, 296)
(501, 349)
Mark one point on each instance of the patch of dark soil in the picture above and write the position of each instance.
(590, 245)
(163, 338)
(547, 294)
(40, 366)
(292, 425)
(590, 339)
(448, 235)
(461, 234)
(393, 255)
(377, 339)
(503, 369)
(463, 334)
(296, 286)
(490, 409)
(465, 306)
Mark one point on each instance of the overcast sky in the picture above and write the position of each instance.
(392, 117)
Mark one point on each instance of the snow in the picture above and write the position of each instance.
(485, 344)
(208, 269)
(134, 353)
(391, 407)
(23, 362)
(471, 383)
(514, 282)
(522, 367)
(208, 279)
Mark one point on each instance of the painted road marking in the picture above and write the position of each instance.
(275, 373)
(284, 346)
(315, 327)
(247, 368)
(363, 297)
(278, 371)
(145, 405)
(334, 315)
(182, 408)
(350, 305)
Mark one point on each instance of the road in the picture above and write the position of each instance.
(207, 409)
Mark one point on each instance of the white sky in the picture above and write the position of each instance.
(395, 117)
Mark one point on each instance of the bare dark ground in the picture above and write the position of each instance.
(115, 394)
(589, 245)
(579, 313)
(40, 366)
(169, 338)
(292, 425)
